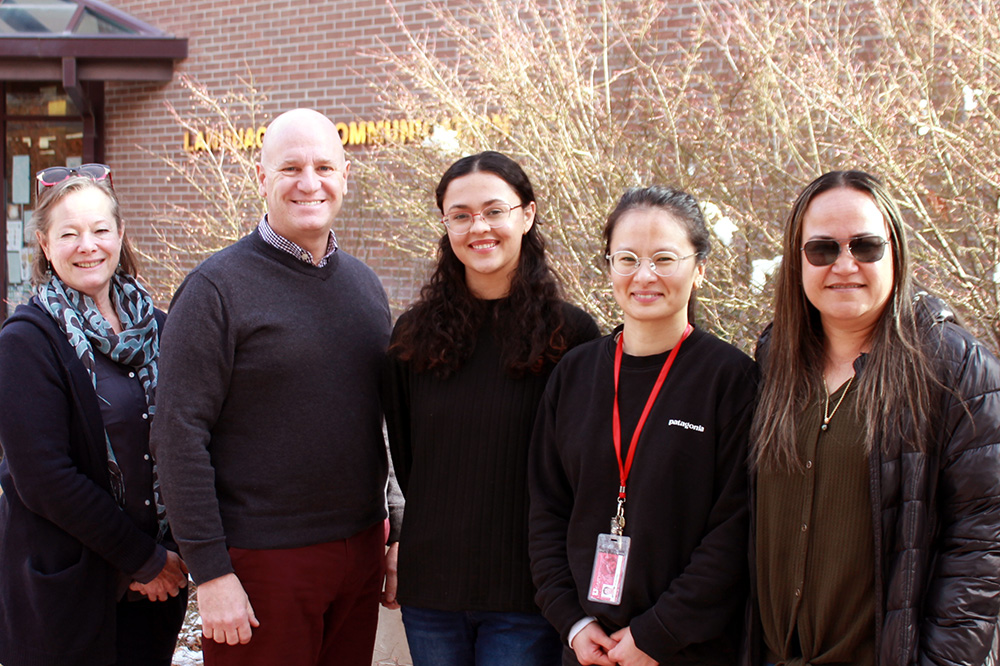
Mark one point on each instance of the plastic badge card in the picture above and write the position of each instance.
(609, 569)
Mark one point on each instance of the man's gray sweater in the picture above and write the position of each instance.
(268, 422)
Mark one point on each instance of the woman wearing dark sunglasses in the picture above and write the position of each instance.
(875, 452)
(468, 365)
(88, 574)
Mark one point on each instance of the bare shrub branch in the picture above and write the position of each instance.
(224, 205)
(742, 106)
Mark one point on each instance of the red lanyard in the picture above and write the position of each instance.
(616, 426)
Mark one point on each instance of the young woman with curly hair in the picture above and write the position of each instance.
(469, 362)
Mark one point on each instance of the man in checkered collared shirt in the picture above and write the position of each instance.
(268, 432)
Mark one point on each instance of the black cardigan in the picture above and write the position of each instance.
(63, 539)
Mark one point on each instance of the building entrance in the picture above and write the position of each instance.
(42, 128)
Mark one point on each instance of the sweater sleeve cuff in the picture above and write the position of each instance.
(153, 566)
(395, 505)
(563, 612)
(206, 560)
(577, 628)
(395, 523)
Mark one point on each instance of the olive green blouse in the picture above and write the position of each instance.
(815, 545)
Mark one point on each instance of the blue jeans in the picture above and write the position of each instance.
(480, 638)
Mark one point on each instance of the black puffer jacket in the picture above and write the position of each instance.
(937, 521)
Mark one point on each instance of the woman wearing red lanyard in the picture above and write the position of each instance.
(638, 520)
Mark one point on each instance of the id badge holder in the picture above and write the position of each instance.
(608, 575)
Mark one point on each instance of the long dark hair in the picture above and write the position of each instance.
(681, 206)
(439, 331)
(897, 391)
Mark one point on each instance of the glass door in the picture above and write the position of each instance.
(43, 129)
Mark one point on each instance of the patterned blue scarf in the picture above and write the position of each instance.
(136, 346)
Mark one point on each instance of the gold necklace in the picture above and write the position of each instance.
(827, 415)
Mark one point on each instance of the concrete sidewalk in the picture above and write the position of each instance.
(390, 643)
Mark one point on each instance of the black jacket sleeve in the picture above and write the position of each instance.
(963, 598)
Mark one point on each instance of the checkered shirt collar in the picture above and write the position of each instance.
(272, 238)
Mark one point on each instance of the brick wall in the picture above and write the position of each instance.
(310, 54)
(314, 54)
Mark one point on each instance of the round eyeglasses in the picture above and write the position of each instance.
(664, 264)
(496, 215)
(824, 251)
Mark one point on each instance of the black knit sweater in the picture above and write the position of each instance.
(268, 431)
(686, 511)
(460, 448)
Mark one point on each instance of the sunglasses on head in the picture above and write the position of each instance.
(57, 174)
(865, 249)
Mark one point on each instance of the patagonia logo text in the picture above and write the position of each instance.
(685, 425)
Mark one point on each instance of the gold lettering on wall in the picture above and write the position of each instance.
(211, 140)
(353, 133)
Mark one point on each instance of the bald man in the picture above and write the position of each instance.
(268, 432)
